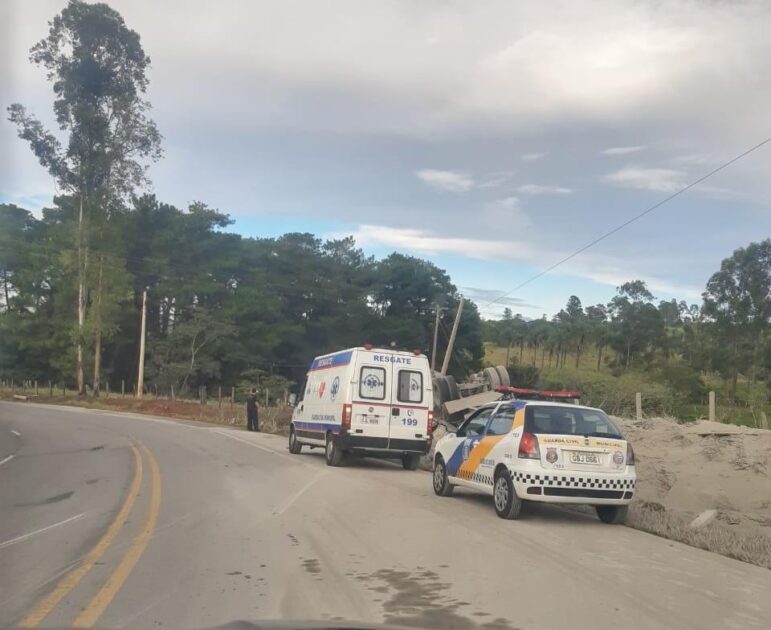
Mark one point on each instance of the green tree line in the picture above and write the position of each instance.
(221, 308)
(728, 333)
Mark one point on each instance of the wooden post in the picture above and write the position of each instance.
(638, 404)
(50, 389)
(232, 397)
(172, 392)
(763, 420)
(142, 335)
(267, 393)
(712, 412)
(36, 392)
(122, 388)
(453, 333)
(219, 397)
(64, 389)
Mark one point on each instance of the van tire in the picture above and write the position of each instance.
(441, 483)
(507, 504)
(295, 446)
(410, 461)
(612, 514)
(332, 452)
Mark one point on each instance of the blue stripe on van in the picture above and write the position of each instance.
(320, 427)
(335, 360)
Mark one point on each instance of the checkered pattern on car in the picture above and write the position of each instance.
(574, 481)
(477, 477)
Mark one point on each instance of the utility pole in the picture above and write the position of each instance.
(436, 339)
(454, 332)
(141, 371)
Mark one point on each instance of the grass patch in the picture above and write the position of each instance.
(751, 547)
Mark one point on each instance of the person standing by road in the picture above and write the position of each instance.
(251, 411)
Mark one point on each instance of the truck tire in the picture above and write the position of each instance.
(452, 385)
(442, 486)
(294, 445)
(492, 377)
(507, 503)
(612, 514)
(443, 389)
(332, 453)
(410, 461)
(503, 375)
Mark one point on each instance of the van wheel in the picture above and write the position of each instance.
(410, 461)
(612, 514)
(294, 445)
(442, 485)
(334, 455)
(507, 503)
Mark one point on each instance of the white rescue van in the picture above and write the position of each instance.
(368, 401)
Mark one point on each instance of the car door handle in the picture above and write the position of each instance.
(395, 411)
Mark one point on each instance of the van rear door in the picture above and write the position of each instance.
(409, 412)
(371, 400)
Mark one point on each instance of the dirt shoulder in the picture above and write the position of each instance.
(685, 470)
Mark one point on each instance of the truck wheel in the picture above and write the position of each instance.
(492, 376)
(334, 455)
(453, 387)
(612, 514)
(410, 461)
(507, 503)
(443, 388)
(442, 485)
(294, 445)
(503, 375)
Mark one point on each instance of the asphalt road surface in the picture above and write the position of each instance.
(117, 521)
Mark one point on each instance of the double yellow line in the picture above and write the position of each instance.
(90, 615)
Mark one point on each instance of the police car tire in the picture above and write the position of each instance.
(512, 506)
(332, 453)
(410, 461)
(612, 514)
(441, 483)
(503, 375)
(453, 386)
(295, 446)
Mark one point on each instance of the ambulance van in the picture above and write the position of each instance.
(367, 401)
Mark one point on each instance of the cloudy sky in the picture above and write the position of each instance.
(493, 138)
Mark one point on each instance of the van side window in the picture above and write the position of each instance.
(410, 388)
(372, 383)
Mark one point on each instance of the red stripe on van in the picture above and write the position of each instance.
(377, 404)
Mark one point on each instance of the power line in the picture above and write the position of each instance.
(630, 221)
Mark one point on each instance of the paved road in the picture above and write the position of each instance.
(229, 526)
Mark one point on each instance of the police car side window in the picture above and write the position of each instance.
(502, 422)
(476, 424)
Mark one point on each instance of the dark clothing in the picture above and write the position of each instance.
(251, 413)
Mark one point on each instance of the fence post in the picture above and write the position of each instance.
(50, 389)
(107, 388)
(763, 420)
(638, 404)
(64, 390)
(232, 397)
(172, 392)
(267, 393)
(36, 392)
(219, 397)
(712, 413)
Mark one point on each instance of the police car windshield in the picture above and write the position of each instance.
(569, 420)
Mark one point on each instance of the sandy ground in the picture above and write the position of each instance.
(689, 468)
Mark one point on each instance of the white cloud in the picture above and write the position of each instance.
(451, 181)
(624, 150)
(532, 157)
(539, 189)
(506, 213)
(494, 180)
(655, 179)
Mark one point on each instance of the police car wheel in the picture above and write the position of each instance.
(410, 461)
(334, 455)
(612, 514)
(294, 446)
(442, 485)
(507, 503)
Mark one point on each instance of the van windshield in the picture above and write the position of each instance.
(569, 420)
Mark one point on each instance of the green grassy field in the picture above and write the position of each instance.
(616, 392)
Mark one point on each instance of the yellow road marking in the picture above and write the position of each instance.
(69, 581)
(102, 599)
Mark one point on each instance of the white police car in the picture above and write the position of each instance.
(533, 450)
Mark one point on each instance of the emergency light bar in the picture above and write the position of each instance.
(535, 394)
